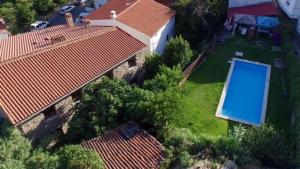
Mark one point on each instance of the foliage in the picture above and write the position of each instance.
(42, 7)
(60, 2)
(152, 65)
(177, 52)
(198, 19)
(166, 78)
(40, 159)
(185, 159)
(24, 16)
(241, 145)
(75, 157)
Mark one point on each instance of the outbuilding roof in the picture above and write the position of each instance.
(35, 73)
(146, 16)
(135, 149)
(261, 9)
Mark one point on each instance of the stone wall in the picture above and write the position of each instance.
(64, 105)
(32, 124)
(124, 71)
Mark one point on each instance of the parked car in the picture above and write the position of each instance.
(80, 2)
(66, 9)
(39, 25)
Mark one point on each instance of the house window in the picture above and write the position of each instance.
(109, 74)
(168, 38)
(77, 95)
(132, 62)
(287, 2)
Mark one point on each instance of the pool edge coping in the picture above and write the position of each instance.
(265, 99)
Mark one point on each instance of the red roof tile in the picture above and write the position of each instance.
(146, 16)
(141, 151)
(263, 9)
(33, 81)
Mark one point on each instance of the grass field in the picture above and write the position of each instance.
(203, 89)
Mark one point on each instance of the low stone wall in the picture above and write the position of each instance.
(32, 124)
(64, 105)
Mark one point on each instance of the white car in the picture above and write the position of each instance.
(66, 9)
(39, 25)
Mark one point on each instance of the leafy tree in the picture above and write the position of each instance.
(152, 64)
(42, 7)
(76, 157)
(40, 159)
(185, 159)
(24, 16)
(177, 52)
(99, 108)
(12, 164)
(60, 2)
(165, 79)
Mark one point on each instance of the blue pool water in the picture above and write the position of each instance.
(244, 100)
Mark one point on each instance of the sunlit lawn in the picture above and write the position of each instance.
(203, 90)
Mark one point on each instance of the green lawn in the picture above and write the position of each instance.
(203, 90)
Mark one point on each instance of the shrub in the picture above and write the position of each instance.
(266, 144)
(165, 79)
(177, 53)
(76, 157)
(42, 160)
(152, 65)
(185, 159)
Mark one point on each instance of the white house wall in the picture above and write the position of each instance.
(160, 38)
(290, 7)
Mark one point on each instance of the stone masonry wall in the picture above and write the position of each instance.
(128, 73)
(31, 124)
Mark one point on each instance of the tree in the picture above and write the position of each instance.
(42, 7)
(99, 108)
(166, 78)
(40, 159)
(177, 52)
(152, 64)
(76, 157)
(24, 16)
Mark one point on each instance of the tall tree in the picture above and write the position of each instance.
(42, 7)
(24, 16)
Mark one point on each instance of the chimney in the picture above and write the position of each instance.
(69, 19)
(87, 23)
(113, 14)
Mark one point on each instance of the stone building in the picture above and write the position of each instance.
(43, 72)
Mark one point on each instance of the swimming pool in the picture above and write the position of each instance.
(245, 94)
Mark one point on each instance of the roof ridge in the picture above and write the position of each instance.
(58, 45)
(136, 2)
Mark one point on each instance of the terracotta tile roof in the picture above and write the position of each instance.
(146, 16)
(21, 44)
(141, 151)
(31, 82)
(262, 9)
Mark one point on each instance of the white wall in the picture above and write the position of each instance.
(3, 35)
(290, 7)
(237, 3)
(160, 39)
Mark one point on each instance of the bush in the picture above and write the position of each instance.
(166, 78)
(185, 159)
(76, 157)
(266, 144)
(177, 53)
(152, 65)
(42, 160)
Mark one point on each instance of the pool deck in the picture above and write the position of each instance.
(224, 92)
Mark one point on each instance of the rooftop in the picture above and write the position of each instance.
(261, 9)
(127, 147)
(146, 16)
(34, 77)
